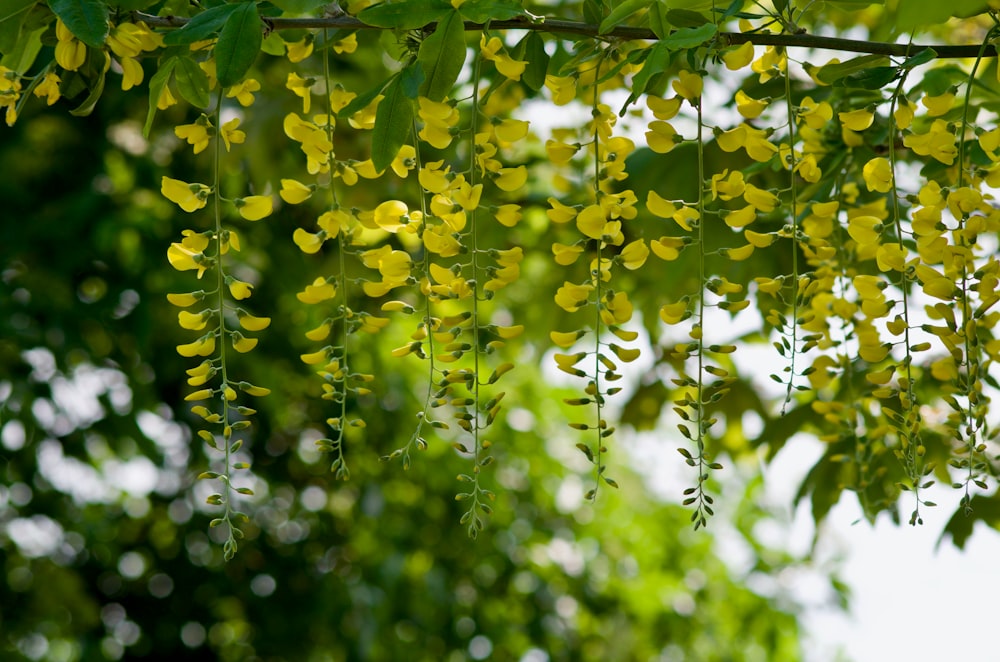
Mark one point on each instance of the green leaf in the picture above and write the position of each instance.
(408, 15)
(86, 19)
(156, 84)
(657, 58)
(393, 123)
(923, 57)
(12, 17)
(23, 55)
(238, 46)
(687, 38)
(480, 11)
(411, 78)
(192, 82)
(531, 49)
(298, 6)
(917, 13)
(658, 20)
(96, 90)
(621, 12)
(441, 56)
(685, 18)
(201, 26)
(832, 72)
(874, 78)
(361, 102)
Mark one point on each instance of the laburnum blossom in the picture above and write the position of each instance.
(664, 109)
(940, 104)
(348, 44)
(566, 255)
(48, 88)
(255, 207)
(10, 92)
(749, 107)
(814, 114)
(509, 263)
(301, 87)
(511, 179)
(70, 51)
(440, 119)
(938, 143)
(188, 254)
(571, 297)
(857, 120)
(319, 290)
(198, 135)
(634, 254)
(509, 130)
(296, 51)
(877, 174)
(563, 88)
(295, 192)
(903, 115)
(661, 137)
(508, 215)
(772, 63)
(188, 197)
(243, 91)
(688, 85)
(728, 185)
(674, 313)
(737, 58)
(391, 215)
(393, 265)
(313, 140)
(231, 134)
(204, 346)
(753, 140)
(493, 50)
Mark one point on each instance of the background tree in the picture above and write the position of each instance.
(385, 197)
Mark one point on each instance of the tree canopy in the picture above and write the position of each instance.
(253, 249)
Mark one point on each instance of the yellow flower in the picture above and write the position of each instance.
(49, 88)
(903, 113)
(493, 50)
(299, 50)
(857, 120)
(673, 313)
(634, 254)
(878, 175)
(204, 346)
(391, 215)
(439, 120)
(132, 73)
(815, 115)
(241, 344)
(301, 87)
(560, 213)
(201, 373)
(186, 299)
(938, 105)
(238, 288)
(688, 85)
(663, 109)
(741, 217)
(560, 153)
(565, 339)
(193, 321)
(563, 88)
(571, 297)
(71, 53)
(320, 290)
(255, 207)
(231, 135)
(760, 199)
(508, 215)
(808, 169)
(728, 185)
(591, 221)
(938, 143)
(667, 248)
(294, 192)
(189, 253)
(865, 230)
(198, 134)
(661, 137)
(252, 323)
(348, 44)
(754, 141)
(740, 57)
(511, 179)
(510, 130)
(686, 217)
(243, 91)
(566, 255)
(659, 206)
(188, 197)
(749, 107)
(307, 241)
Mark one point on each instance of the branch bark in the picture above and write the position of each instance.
(558, 26)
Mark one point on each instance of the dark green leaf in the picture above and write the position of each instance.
(96, 90)
(408, 15)
(441, 56)
(869, 79)
(923, 57)
(86, 19)
(192, 82)
(299, 6)
(658, 20)
(685, 18)
(686, 38)
(531, 49)
(23, 55)
(156, 84)
(621, 12)
(12, 17)
(832, 72)
(480, 11)
(362, 101)
(201, 26)
(239, 44)
(411, 78)
(393, 123)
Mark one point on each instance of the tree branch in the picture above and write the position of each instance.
(558, 26)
